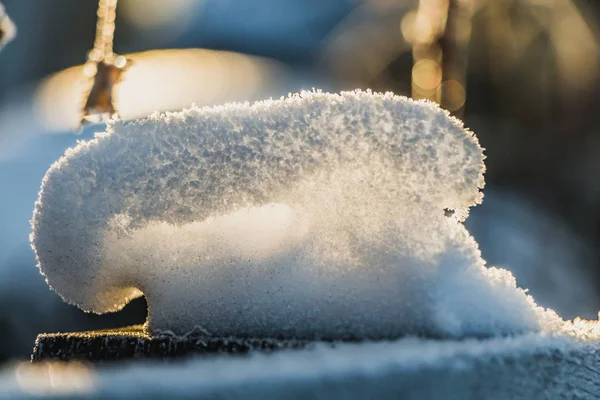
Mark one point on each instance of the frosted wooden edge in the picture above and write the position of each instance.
(528, 367)
(133, 343)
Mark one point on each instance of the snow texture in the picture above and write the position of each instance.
(530, 366)
(8, 30)
(314, 216)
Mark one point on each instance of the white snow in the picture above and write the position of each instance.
(315, 216)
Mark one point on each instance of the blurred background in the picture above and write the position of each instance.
(523, 74)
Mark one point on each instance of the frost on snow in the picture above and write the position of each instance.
(315, 216)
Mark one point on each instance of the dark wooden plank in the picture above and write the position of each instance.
(134, 342)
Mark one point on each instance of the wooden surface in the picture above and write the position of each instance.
(523, 367)
(134, 342)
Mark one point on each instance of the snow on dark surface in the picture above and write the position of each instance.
(315, 216)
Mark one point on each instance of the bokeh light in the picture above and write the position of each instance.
(160, 80)
(54, 378)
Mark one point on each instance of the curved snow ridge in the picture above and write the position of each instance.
(314, 216)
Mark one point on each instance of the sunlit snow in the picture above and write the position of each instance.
(314, 216)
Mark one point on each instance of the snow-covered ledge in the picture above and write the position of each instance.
(530, 366)
(318, 216)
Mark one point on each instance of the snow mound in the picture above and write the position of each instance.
(314, 216)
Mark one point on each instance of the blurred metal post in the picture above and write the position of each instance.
(454, 47)
(441, 32)
(104, 66)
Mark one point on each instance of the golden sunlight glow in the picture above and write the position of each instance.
(427, 74)
(426, 24)
(152, 14)
(160, 80)
(407, 26)
(550, 46)
(426, 77)
(8, 30)
(55, 378)
(577, 51)
(451, 95)
(515, 28)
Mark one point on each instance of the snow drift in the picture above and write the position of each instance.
(314, 216)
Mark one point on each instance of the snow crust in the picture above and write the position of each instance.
(313, 216)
